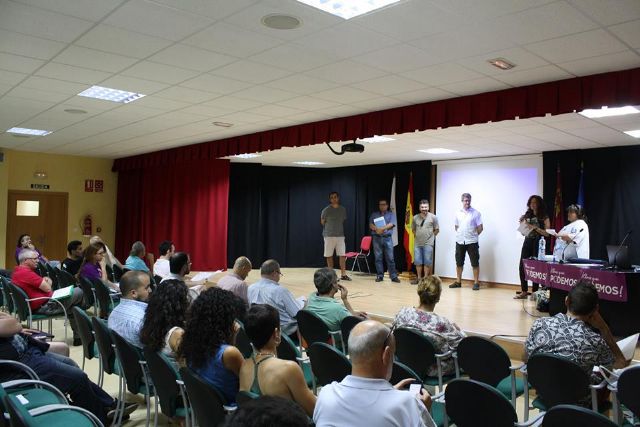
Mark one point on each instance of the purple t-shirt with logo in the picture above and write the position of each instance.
(91, 271)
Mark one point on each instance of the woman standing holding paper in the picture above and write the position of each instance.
(537, 221)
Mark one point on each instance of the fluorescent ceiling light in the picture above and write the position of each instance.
(348, 9)
(25, 131)
(608, 112)
(108, 94)
(438, 151)
(502, 63)
(308, 163)
(633, 133)
(247, 156)
(376, 139)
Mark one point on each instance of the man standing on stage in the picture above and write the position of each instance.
(332, 219)
(425, 228)
(468, 227)
(381, 223)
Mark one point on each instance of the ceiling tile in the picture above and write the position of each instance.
(301, 84)
(19, 64)
(133, 84)
(123, 42)
(471, 87)
(608, 12)
(161, 103)
(424, 95)
(346, 72)
(308, 103)
(11, 78)
(628, 32)
(159, 72)
(375, 104)
(17, 110)
(91, 10)
(536, 75)
(577, 46)
(442, 74)
(156, 20)
(389, 85)
(340, 111)
(603, 63)
(345, 95)
(273, 110)
(33, 47)
(52, 120)
(37, 94)
(185, 56)
(207, 111)
(488, 8)
(346, 40)
(232, 40)
(251, 72)
(295, 58)
(232, 103)
(70, 73)
(186, 95)
(216, 84)
(397, 58)
(53, 85)
(262, 93)
(97, 60)
(242, 117)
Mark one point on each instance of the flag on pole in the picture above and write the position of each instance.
(392, 204)
(408, 217)
(558, 214)
(580, 200)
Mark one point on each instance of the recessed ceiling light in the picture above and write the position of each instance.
(633, 133)
(376, 139)
(501, 63)
(608, 112)
(223, 124)
(247, 156)
(308, 163)
(75, 111)
(108, 94)
(348, 9)
(25, 131)
(438, 151)
(279, 21)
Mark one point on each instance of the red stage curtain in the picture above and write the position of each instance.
(185, 202)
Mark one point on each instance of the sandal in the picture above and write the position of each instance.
(521, 295)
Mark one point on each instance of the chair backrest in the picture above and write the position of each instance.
(557, 380)
(401, 372)
(629, 389)
(129, 358)
(51, 272)
(87, 290)
(245, 396)
(85, 330)
(205, 400)
(472, 403)
(346, 326)
(41, 269)
(110, 274)
(7, 301)
(415, 350)
(157, 279)
(243, 343)
(574, 416)
(312, 327)
(103, 296)
(483, 360)
(365, 244)
(20, 302)
(65, 278)
(105, 345)
(287, 350)
(18, 415)
(327, 363)
(164, 376)
(117, 272)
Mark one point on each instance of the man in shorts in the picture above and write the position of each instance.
(468, 227)
(332, 219)
(425, 228)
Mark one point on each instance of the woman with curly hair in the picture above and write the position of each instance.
(165, 318)
(205, 346)
(537, 221)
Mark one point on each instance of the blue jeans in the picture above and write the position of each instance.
(384, 244)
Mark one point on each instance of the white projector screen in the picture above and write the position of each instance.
(499, 188)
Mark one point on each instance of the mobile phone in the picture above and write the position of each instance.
(415, 388)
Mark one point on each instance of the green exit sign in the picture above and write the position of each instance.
(40, 186)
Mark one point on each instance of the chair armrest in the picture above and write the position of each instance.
(532, 421)
(438, 397)
(30, 372)
(228, 409)
(57, 407)
(603, 384)
(303, 359)
(444, 355)
(50, 387)
(64, 310)
(517, 368)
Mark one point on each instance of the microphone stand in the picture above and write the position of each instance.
(562, 261)
(615, 256)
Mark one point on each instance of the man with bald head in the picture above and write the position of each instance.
(366, 397)
(235, 281)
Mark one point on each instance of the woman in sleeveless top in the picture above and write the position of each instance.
(165, 318)
(538, 221)
(265, 374)
(205, 346)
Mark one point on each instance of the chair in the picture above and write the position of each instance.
(485, 361)
(328, 364)
(472, 403)
(106, 350)
(558, 381)
(110, 274)
(7, 301)
(365, 250)
(38, 393)
(626, 391)
(206, 401)
(312, 329)
(347, 324)
(133, 374)
(23, 309)
(65, 278)
(575, 416)
(105, 299)
(117, 273)
(89, 293)
(245, 396)
(48, 415)
(243, 343)
(85, 330)
(169, 386)
(287, 350)
(419, 353)
(157, 279)
(41, 269)
(51, 272)
(401, 371)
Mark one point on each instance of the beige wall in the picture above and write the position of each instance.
(64, 174)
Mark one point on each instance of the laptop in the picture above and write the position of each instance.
(618, 256)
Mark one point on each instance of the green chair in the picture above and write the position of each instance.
(328, 364)
(207, 402)
(105, 299)
(23, 309)
(48, 415)
(65, 278)
(169, 386)
(35, 393)
(287, 350)
(87, 336)
(7, 301)
(106, 350)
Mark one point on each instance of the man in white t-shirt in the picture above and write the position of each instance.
(161, 267)
(468, 225)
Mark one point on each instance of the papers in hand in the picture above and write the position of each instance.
(551, 231)
(63, 293)
(628, 346)
(524, 228)
(204, 275)
(379, 222)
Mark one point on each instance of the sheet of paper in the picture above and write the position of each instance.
(415, 388)
(628, 346)
(204, 275)
(62, 292)
(524, 228)
(379, 222)
(551, 231)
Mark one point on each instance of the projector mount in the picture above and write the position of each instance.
(351, 147)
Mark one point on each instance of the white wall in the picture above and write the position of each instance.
(499, 188)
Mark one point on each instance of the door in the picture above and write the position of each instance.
(43, 216)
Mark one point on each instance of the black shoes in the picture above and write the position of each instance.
(395, 280)
(345, 278)
(476, 286)
(455, 285)
(378, 279)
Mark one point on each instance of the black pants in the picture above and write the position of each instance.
(529, 249)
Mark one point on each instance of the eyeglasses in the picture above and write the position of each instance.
(100, 253)
(388, 338)
(280, 273)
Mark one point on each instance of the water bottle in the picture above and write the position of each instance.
(542, 245)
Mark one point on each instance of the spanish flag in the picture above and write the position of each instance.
(408, 235)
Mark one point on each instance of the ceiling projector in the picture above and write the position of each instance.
(351, 147)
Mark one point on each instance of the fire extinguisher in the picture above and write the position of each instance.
(87, 226)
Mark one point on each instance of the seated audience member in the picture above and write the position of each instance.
(94, 265)
(581, 335)
(24, 242)
(268, 411)
(161, 267)
(267, 290)
(234, 281)
(128, 316)
(52, 367)
(110, 259)
(206, 342)
(323, 303)
(28, 280)
(72, 263)
(134, 261)
(180, 266)
(366, 398)
(445, 334)
(265, 374)
(165, 318)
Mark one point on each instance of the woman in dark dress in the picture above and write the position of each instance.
(538, 221)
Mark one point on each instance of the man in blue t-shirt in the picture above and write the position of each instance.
(381, 223)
